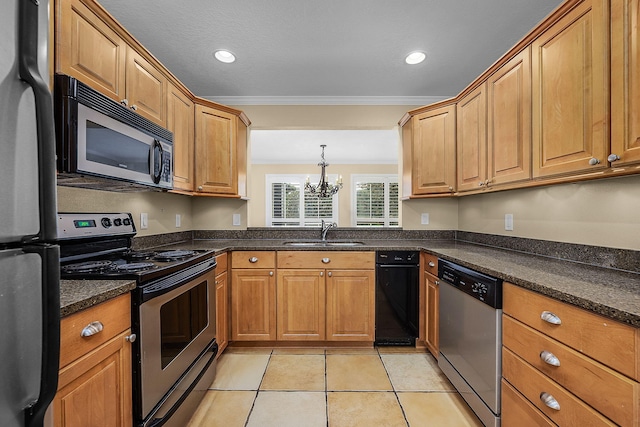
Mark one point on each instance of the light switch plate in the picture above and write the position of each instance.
(178, 220)
(508, 222)
(236, 219)
(144, 221)
(424, 218)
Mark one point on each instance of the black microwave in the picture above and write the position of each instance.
(104, 145)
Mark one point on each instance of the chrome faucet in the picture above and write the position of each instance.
(325, 227)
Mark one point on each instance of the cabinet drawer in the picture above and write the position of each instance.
(326, 259)
(518, 411)
(534, 386)
(430, 263)
(584, 331)
(222, 263)
(611, 393)
(253, 259)
(114, 315)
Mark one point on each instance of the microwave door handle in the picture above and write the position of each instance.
(156, 174)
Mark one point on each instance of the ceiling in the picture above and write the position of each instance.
(334, 52)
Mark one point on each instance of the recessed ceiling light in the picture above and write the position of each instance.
(225, 56)
(415, 58)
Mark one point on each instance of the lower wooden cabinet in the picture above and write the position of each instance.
(300, 305)
(95, 383)
(222, 303)
(430, 297)
(350, 305)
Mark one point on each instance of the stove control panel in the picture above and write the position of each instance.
(82, 225)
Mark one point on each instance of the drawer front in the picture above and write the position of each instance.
(115, 317)
(430, 263)
(518, 411)
(253, 259)
(534, 386)
(327, 259)
(609, 392)
(222, 263)
(584, 331)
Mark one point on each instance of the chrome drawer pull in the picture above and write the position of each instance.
(92, 329)
(550, 401)
(549, 317)
(271, 273)
(131, 338)
(253, 259)
(432, 264)
(330, 274)
(326, 260)
(549, 358)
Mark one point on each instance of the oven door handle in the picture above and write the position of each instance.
(167, 284)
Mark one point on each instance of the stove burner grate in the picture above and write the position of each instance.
(88, 267)
(134, 266)
(138, 255)
(173, 255)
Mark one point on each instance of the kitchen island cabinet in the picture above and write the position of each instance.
(95, 380)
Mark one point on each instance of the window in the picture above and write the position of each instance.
(375, 201)
(286, 207)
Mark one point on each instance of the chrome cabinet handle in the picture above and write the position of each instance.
(550, 401)
(549, 358)
(437, 282)
(549, 317)
(451, 188)
(199, 187)
(321, 273)
(432, 264)
(92, 329)
(124, 102)
(131, 338)
(593, 161)
(253, 260)
(326, 260)
(481, 183)
(134, 107)
(271, 273)
(329, 274)
(613, 158)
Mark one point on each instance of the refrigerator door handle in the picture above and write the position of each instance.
(28, 68)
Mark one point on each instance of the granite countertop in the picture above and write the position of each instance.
(76, 295)
(609, 292)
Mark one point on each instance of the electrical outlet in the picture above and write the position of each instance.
(424, 218)
(236, 219)
(508, 222)
(178, 220)
(144, 221)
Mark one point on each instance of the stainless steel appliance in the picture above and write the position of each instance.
(173, 311)
(29, 288)
(104, 145)
(470, 337)
(397, 283)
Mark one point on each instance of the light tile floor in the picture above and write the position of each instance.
(334, 387)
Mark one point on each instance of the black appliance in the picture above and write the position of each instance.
(173, 311)
(397, 284)
(470, 334)
(29, 270)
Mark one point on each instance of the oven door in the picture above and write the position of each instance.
(175, 328)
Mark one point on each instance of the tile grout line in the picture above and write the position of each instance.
(326, 388)
(393, 387)
(253, 404)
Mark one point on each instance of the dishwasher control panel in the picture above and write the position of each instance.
(481, 286)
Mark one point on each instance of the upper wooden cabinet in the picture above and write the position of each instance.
(471, 139)
(429, 152)
(625, 82)
(180, 121)
(89, 49)
(570, 92)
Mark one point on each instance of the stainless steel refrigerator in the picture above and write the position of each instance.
(29, 256)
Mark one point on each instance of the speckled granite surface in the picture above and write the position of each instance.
(76, 295)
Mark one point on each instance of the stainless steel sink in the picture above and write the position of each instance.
(323, 243)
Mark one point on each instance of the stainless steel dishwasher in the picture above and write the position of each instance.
(471, 337)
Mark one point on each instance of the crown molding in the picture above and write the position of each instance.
(325, 100)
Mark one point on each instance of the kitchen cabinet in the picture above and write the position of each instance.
(222, 303)
(253, 296)
(95, 383)
(429, 151)
(431, 302)
(625, 82)
(471, 139)
(180, 121)
(558, 354)
(91, 46)
(326, 295)
(570, 93)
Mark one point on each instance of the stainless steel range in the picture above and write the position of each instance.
(173, 311)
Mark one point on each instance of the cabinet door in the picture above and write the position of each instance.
(253, 309)
(215, 151)
(432, 313)
(301, 305)
(433, 166)
(87, 49)
(350, 305)
(146, 88)
(222, 312)
(625, 81)
(471, 140)
(509, 121)
(570, 88)
(180, 117)
(96, 389)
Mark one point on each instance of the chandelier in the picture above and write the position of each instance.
(323, 188)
